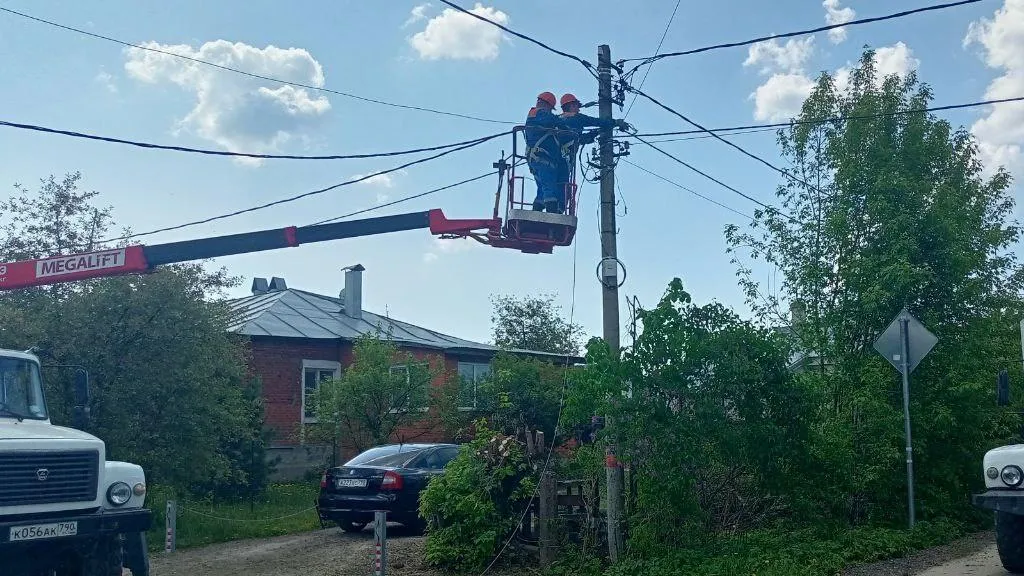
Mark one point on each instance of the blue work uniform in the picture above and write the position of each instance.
(544, 157)
(577, 122)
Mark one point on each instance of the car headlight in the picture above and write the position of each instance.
(119, 493)
(1012, 475)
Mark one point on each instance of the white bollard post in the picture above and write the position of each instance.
(170, 537)
(380, 543)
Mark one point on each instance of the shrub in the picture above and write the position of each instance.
(474, 506)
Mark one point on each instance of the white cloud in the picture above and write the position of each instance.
(1000, 133)
(417, 13)
(237, 112)
(106, 79)
(897, 59)
(449, 246)
(773, 57)
(459, 36)
(781, 97)
(382, 197)
(836, 15)
(384, 180)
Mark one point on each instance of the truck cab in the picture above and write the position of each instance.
(64, 508)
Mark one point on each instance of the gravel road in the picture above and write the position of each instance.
(322, 553)
(974, 555)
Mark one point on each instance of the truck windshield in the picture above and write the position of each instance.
(21, 390)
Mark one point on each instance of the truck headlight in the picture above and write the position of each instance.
(119, 493)
(992, 472)
(1012, 475)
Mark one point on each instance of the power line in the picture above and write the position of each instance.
(668, 26)
(702, 136)
(656, 57)
(585, 64)
(744, 151)
(759, 127)
(251, 74)
(717, 181)
(691, 191)
(297, 197)
(210, 152)
(406, 198)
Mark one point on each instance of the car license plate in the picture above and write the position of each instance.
(41, 531)
(352, 483)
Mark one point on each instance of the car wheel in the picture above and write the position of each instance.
(1010, 541)
(418, 526)
(353, 527)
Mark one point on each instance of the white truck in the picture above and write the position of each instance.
(65, 510)
(1003, 471)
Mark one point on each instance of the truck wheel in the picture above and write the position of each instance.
(1010, 541)
(106, 558)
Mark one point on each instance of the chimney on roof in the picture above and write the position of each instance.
(259, 286)
(352, 295)
(277, 284)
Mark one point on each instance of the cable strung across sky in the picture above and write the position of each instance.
(210, 152)
(691, 191)
(759, 127)
(250, 74)
(656, 57)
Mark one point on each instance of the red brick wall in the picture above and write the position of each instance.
(278, 363)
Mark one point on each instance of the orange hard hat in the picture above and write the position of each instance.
(547, 97)
(569, 99)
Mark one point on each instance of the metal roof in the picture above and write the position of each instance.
(292, 313)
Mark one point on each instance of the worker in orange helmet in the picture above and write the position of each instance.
(545, 136)
(576, 121)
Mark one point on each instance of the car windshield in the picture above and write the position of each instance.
(21, 390)
(386, 456)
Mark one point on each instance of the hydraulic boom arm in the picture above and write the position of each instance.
(140, 259)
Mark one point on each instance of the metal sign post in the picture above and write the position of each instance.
(171, 523)
(904, 344)
(380, 543)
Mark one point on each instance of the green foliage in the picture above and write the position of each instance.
(475, 505)
(898, 213)
(381, 392)
(522, 394)
(533, 323)
(167, 379)
(281, 509)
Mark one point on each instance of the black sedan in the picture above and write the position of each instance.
(388, 478)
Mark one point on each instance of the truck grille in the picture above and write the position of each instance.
(29, 477)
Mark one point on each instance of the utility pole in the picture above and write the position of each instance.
(609, 272)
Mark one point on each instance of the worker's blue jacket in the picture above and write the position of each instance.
(577, 122)
(545, 145)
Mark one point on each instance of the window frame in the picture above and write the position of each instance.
(476, 381)
(320, 366)
(405, 366)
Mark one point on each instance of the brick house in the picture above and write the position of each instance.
(298, 339)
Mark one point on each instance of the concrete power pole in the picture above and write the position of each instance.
(610, 284)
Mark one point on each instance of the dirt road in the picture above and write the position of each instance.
(984, 563)
(974, 555)
(321, 553)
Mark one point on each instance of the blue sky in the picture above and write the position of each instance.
(414, 53)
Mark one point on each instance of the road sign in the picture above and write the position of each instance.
(919, 340)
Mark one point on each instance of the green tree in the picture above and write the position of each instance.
(883, 212)
(167, 378)
(533, 323)
(384, 395)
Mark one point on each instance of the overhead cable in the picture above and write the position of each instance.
(251, 74)
(717, 181)
(296, 197)
(585, 64)
(656, 57)
(690, 190)
(718, 137)
(643, 80)
(210, 152)
(758, 127)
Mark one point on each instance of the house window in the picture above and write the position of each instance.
(398, 404)
(313, 373)
(471, 374)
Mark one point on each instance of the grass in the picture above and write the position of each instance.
(284, 509)
(813, 551)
